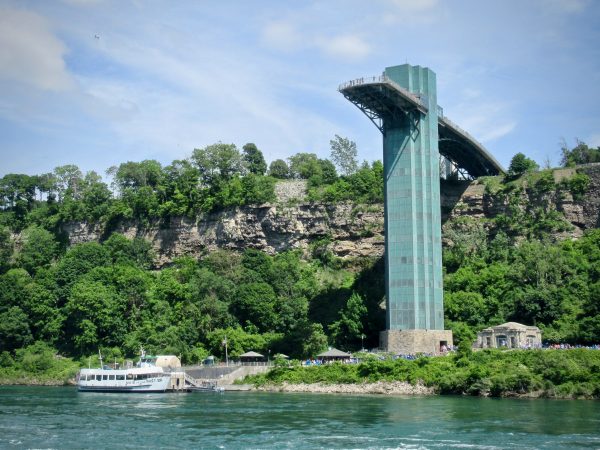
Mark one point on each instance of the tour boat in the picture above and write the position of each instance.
(146, 376)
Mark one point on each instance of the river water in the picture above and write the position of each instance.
(61, 417)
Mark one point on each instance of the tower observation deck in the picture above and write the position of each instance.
(402, 103)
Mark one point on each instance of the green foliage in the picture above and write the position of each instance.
(580, 154)
(550, 285)
(551, 373)
(304, 165)
(125, 251)
(521, 164)
(254, 159)
(349, 328)
(578, 184)
(258, 189)
(218, 162)
(6, 248)
(14, 329)
(343, 154)
(38, 250)
(36, 364)
(133, 175)
(105, 295)
(363, 186)
(279, 169)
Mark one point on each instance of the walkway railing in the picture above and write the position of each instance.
(415, 98)
(190, 380)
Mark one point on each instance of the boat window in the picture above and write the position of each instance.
(105, 377)
(130, 376)
(98, 377)
(111, 377)
(120, 377)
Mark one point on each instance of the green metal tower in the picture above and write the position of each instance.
(412, 208)
(403, 105)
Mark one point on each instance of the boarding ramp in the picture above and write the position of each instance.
(224, 375)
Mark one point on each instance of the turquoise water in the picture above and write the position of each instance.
(45, 417)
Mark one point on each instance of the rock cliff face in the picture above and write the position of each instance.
(352, 230)
(471, 199)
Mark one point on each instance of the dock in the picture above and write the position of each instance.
(214, 378)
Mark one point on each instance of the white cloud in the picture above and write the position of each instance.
(195, 96)
(410, 11)
(485, 119)
(289, 37)
(566, 6)
(414, 5)
(282, 36)
(491, 132)
(30, 53)
(346, 47)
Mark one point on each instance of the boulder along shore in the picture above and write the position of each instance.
(379, 387)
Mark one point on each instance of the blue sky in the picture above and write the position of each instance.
(162, 77)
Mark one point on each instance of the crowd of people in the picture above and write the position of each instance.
(570, 346)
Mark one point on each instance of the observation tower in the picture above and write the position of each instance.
(402, 103)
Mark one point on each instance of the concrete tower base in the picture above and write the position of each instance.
(407, 342)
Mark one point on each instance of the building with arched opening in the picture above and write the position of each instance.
(509, 335)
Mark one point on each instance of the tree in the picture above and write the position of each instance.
(14, 329)
(349, 328)
(95, 196)
(138, 174)
(258, 189)
(580, 154)
(95, 315)
(328, 172)
(304, 165)
(68, 179)
(279, 169)
(466, 307)
(6, 248)
(521, 164)
(79, 260)
(254, 159)
(38, 250)
(315, 339)
(16, 188)
(130, 252)
(218, 162)
(259, 262)
(255, 303)
(343, 154)
(180, 194)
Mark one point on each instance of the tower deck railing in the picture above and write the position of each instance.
(414, 98)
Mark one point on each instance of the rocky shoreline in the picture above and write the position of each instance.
(378, 388)
(26, 381)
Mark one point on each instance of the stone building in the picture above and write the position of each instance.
(509, 335)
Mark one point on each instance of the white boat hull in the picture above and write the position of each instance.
(102, 380)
